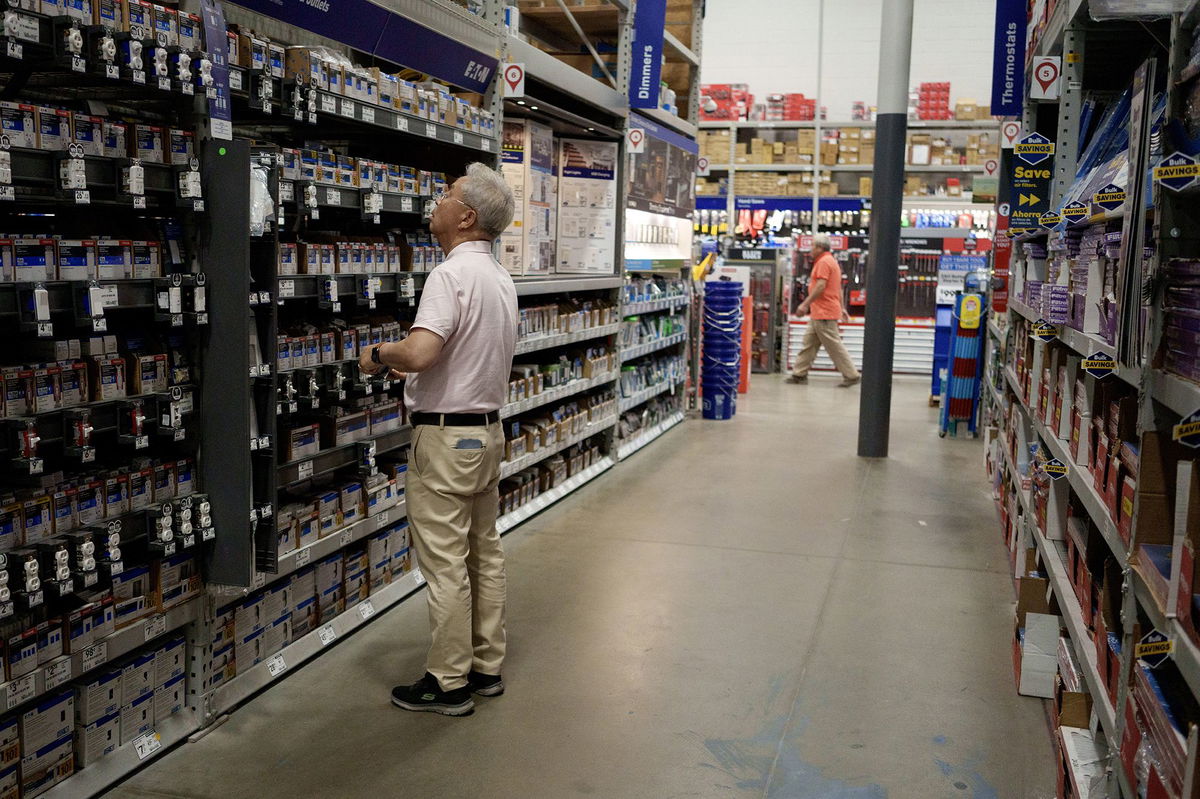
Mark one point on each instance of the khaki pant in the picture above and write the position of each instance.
(452, 504)
(824, 332)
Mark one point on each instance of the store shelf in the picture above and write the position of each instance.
(638, 350)
(237, 690)
(1080, 479)
(509, 468)
(65, 296)
(650, 306)
(928, 124)
(646, 394)
(335, 107)
(1085, 649)
(350, 198)
(334, 458)
(1051, 40)
(338, 539)
(762, 167)
(670, 120)
(1085, 760)
(1083, 344)
(307, 287)
(535, 343)
(17, 692)
(681, 49)
(1186, 654)
(557, 393)
(123, 761)
(954, 168)
(994, 329)
(548, 69)
(555, 285)
(1177, 393)
(35, 179)
(547, 498)
(624, 450)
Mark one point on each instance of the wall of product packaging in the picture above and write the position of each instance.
(732, 102)
(125, 491)
(1091, 398)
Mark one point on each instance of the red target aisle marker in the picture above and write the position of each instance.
(637, 140)
(1046, 73)
(1009, 133)
(514, 80)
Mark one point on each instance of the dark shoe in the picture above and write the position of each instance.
(849, 381)
(427, 695)
(798, 379)
(485, 684)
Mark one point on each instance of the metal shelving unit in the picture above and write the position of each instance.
(544, 500)
(644, 438)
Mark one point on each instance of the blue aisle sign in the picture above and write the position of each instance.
(1031, 181)
(373, 29)
(1008, 59)
(1177, 171)
(649, 23)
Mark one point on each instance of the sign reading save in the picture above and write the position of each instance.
(1031, 180)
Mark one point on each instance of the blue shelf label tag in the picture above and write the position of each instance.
(1034, 149)
(1109, 198)
(1074, 211)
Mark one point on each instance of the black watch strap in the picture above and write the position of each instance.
(375, 354)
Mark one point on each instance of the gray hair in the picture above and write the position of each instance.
(821, 241)
(486, 192)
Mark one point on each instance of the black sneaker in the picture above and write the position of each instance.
(427, 695)
(797, 379)
(485, 684)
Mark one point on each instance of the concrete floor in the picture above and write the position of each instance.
(744, 609)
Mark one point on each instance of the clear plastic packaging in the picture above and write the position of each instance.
(262, 204)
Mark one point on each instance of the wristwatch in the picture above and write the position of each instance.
(375, 355)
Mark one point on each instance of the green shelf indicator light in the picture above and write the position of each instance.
(221, 151)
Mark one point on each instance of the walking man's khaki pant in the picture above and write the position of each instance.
(824, 332)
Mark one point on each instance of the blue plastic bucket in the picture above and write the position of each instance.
(719, 405)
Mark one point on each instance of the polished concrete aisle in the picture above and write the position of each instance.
(743, 609)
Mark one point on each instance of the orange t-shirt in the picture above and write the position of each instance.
(829, 304)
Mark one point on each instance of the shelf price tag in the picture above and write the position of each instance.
(487, 145)
(458, 137)
(22, 689)
(147, 745)
(368, 114)
(345, 539)
(276, 665)
(78, 64)
(402, 124)
(156, 625)
(304, 470)
(287, 288)
(347, 108)
(420, 578)
(58, 673)
(431, 130)
(333, 197)
(303, 557)
(381, 518)
(94, 655)
(366, 609)
(327, 635)
(14, 50)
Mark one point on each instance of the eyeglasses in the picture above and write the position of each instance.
(441, 195)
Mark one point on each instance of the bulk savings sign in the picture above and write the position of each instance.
(1033, 168)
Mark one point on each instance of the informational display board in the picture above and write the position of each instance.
(952, 275)
(527, 162)
(587, 207)
(662, 177)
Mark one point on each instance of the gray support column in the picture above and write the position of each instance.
(891, 127)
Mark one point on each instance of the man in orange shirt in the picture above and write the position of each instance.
(824, 307)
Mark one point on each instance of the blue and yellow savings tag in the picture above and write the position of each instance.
(1187, 432)
(1099, 365)
(1055, 468)
(1044, 331)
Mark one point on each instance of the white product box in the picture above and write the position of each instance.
(42, 769)
(170, 661)
(10, 744)
(169, 699)
(527, 162)
(137, 718)
(48, 721)
(98, 739)
(77, 259)
(137, 677)
(99, 695)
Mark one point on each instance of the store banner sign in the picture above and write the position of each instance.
(1177, 171)
(373, 29)
(649, 23)
(1030, 183)
(1008, 62)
